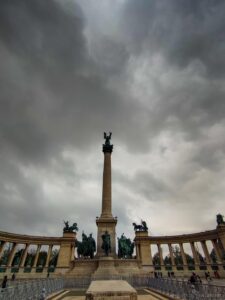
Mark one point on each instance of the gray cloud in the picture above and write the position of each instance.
(150, 71)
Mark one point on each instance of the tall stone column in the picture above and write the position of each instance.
(106, 222)
(195, 256)
(11, 255)
(172, 256)
(24, 256)
(183, 255)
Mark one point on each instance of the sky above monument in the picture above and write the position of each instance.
(152, 72)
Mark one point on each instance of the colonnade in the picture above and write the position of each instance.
(145, 243)
(25, 243)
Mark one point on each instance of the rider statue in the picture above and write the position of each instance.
(106, 243)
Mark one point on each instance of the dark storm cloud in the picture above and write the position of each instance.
(183, 31)
(154, 76)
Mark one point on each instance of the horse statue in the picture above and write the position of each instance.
(106, 243)
(125, 247)
(142, 227)
(220, 220)
(68, 228)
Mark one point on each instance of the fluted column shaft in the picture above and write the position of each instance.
(36, 256)
(106, 188)
(24, 256)
(206, 252)
(48, 255)
(183, 254)
(2, 248)
(160, 254)
(171, 254)
(11, 255)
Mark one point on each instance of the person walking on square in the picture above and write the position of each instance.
(4, 282)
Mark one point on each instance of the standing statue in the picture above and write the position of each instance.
(68, 228)
(107, 138)
(220, 220)
(107, 147)
(106, 243)
(125, 247)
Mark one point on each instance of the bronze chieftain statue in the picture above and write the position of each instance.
(106, 243)
(87, 247)
(125, 247)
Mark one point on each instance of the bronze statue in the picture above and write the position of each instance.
(220, 220)
(107, 147)
(106, 243)
(125, 247)
(87, 247)
(68, 228)
(107, 138)
(142, 227)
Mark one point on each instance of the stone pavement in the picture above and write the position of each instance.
(75, 295)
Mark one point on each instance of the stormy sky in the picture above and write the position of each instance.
(150, 71)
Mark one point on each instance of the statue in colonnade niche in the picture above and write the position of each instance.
(125, 247)
(220, 220)
(68, 228)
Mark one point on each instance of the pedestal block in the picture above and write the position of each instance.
(106, 268)
(111, 290)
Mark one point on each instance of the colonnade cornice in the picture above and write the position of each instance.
(185, 238)
(36, 240)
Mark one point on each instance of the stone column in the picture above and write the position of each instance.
(106, 222)
(36, 256)
(215, 247)
(184, 259)
(206, 253)
(48, 255)
(106, 187)
(24, 256)
(11, 255)
(195, 255)
(171, 256)
(160, 256)
(72, 253)
(2, 248)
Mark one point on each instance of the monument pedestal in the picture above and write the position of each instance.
(106, 268)
(111, 290)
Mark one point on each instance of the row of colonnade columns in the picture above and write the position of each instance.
(145, 243)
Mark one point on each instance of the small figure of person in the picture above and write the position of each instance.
(216, 274)
(207, 276)
(192, 279)
(43, 294)
(13, 276)
(4, 282)
(48, 275)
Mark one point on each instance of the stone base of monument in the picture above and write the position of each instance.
(106, 268)
(110, 290)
